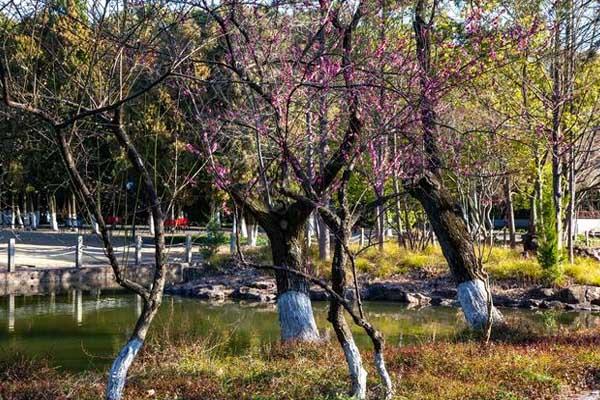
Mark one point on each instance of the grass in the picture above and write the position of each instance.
(395, 260)
(502, 263)
(533, 368)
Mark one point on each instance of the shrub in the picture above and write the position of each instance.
(549, 255)
(215, 238)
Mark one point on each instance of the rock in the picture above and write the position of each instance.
(386, 292)
(437, 301)
(503, 301)
(542, 293)
(553, 304)
(449, 293)
(207, 294)
(593, 294)
(416, 298)
(265, 285)
(530, 303)
(575, 294)
(251, 294)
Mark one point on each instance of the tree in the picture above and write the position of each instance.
(105, 79)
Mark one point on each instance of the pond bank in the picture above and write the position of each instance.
(513, 366)
(415, 288)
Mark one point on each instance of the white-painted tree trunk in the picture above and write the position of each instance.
(95, 226)
(358, 375)
(252, 235)
(12, 219)
(19, 218)
(473, 300)
(118, 371)
(296, 317)
(151, 223)
(54, 221)
(74, 215)
(243, 228)
(384, 375)
(33, 220)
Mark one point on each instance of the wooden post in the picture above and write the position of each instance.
(79, 252)
(188, 248)
(138, 250)
(11, 255)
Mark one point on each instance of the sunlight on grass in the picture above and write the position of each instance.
(500, 262)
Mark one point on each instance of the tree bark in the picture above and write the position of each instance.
(510, 213)
(444, 215)
(324, 241)
(449, 227)
(358, 375)
(296, 318)
(285, 228)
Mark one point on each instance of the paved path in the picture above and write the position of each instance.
(593, 395)
(57, 249)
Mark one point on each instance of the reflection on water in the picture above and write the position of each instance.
(84, 330)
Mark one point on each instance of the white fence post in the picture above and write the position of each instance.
(188, 248)
(79, 252)
(11, 255)
(138, 250)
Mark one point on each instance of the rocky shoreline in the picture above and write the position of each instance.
(417, 289)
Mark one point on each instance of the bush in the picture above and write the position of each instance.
(215, 238)
(549, 255)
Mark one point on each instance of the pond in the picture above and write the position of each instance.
(79, 331)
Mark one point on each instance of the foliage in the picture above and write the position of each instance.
(549, 254)
(215, 238)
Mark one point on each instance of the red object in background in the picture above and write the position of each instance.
(112, 220)
(177, 223)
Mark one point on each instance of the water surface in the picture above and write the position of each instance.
(79, 331)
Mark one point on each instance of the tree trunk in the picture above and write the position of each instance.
(358, 375)
(53, 219)
(74, 211)
(324, 241)
(571, 217)
(19, 218)
(380, 227)
(510, 213)
(296, 318)
(448, 224)
(243, 226)
(557, 99)
(12, 211)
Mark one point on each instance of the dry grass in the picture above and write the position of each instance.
(524, 368)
